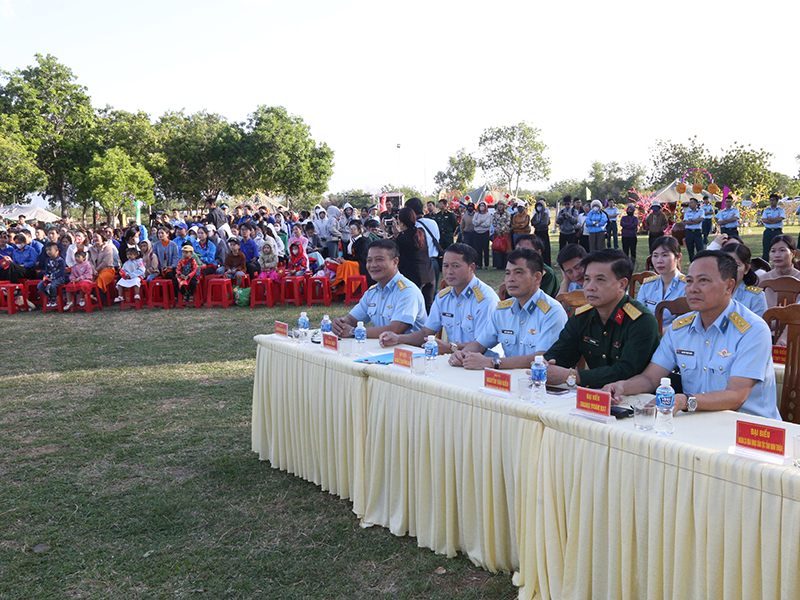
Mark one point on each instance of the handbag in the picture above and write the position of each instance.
(500, 244)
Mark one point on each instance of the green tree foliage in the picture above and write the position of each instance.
(459, 173)
(116, 183)
(671, 160)
(19, 175)
(612, 180)
(54, 112)
(356, 197)
(409, 191)
(514, 153)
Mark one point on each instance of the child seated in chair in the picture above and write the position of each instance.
(80, 278)
(235, 264)
(55, 274)
(186, 273)
(130, 275)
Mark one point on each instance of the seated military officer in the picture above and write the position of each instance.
(723, 350)
(525, 324)
(465, 303)
(393, 304)
(614, 333)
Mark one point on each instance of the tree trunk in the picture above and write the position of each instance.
(83, 215)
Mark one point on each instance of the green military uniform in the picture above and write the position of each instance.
(448, 224)
(618, 349)
(549, 283)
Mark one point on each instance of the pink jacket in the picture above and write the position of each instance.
(81, 272)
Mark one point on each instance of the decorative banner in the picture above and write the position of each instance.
(330, 342)
(594, 401)
(779, 355)
(281, 328)
(402, 358)
(752, 436)
(497, 380)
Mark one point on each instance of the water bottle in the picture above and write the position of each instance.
(539, 380)
(665, 401)
(431, 357)
(325, 325)
(361, 339)
(302, 325)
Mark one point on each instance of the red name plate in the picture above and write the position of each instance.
(497, 380)
(753, 436)
(779, 355)
(330, 342)
(402, 358)
(594, 401)
(282, 329)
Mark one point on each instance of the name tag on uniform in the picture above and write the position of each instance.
(444, 314)
(508, 332)
(685, 352)
(591, 341)
(371, 304)
(650, 302)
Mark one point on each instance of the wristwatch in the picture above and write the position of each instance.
(691, 404)
(572, 378)
(453, 346)
(496, 362)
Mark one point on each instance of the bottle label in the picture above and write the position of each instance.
(665, 400)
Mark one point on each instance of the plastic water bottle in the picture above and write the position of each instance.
(361, 339)
(539, 380)
(431, 357)
(302, 325)
(665, 401)
(325, 325)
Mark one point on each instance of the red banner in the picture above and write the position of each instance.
(330, 342)
(594, 401)
(779, 355)
(281, 328)
(402, 358)
(764, 438)
(497, 380)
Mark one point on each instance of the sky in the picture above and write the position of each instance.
(601, 80)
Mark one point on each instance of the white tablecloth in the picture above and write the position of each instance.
(574, 508)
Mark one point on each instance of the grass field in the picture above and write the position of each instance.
(127, 473)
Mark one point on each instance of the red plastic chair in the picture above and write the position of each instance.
(198, 298)
(291, 290)
(59, 301)
(264, 291)
(129, 300)
(318, 290)
(32, 291)
(352, 283)
(8, 298)
(220, 293)
(160, 293)
(88, 303)
(111, 293)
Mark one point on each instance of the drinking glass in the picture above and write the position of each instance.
(644, 416)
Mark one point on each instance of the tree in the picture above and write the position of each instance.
(116, 183)
(409, 191)
(743, 169)
(19, 175)
(280, 157)
(459, 173)
(611, 180)
(514, 153)
(53, 112)
(355, 197)
(671, 160)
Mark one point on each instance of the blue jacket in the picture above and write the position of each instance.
(179, 242)
(597, 221)
(249, 249)
(168, 256)
(55, 269)
(7, 251)
(208, 256)
(26, 257)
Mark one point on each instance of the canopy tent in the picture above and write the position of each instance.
(31, 213)
(478, 194)
(669, 194)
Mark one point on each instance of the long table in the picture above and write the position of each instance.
(573, 508)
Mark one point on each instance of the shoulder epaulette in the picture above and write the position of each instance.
(374, 285)
(445, 291)
(401, 286)
(739, 322)
(754, 288)
(651, 278)
(582, 309)
(682, 277)
(683, 321)
(542, 304)
(505, 303)
(633, 312)
(478, 293)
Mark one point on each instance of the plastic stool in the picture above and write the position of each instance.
(160, 293)
(318, 290)
(59, 301)
(291, 291)
(198, 298)
(263, 291)
(111, 293)
(32, 291)
(88, 304)
(354, 281)
(129, 300)
(8, 297)
(220, 293)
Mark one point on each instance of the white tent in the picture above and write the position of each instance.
(31, 213)
(669, 193)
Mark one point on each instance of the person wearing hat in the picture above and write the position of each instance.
(181, 235)
(596, 222)
(186, 272)
(656, 223)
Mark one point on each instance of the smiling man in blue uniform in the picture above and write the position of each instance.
(525, 324)
(393, 304)
(723, 350)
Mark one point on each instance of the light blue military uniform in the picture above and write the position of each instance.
(771, 213)
(651, 292)
(727, 213)
(752, 297)
(400, 300)
(737, 344)
(690, 215)
(574, 286)
(462, 315)
(526, 330)
(612, 213)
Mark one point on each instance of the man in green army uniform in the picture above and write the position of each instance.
(614, 333)
(447, 222)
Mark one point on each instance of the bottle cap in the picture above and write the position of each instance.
(539, 359)
(325, 317)
(665, 381)
(360, 324)
(431, 338)
(302, 314)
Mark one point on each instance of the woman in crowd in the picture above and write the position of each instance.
(541, 229)
(746, 291)
(482, 222)
(81, 243)
(520, 223)
(415, 263)
(101, 257)
(782, 256)
(629, 225)
(501, 221)
(207, 251)
(670, 283)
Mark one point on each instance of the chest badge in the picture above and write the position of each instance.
(724, 353)
(532, 331)
(617, 344)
